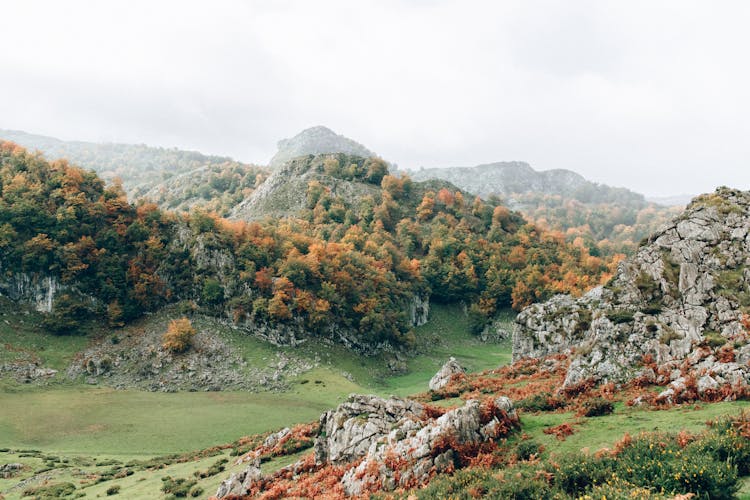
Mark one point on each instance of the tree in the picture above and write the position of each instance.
(179, 336)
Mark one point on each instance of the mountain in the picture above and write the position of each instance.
(607, 220)
(675, 312)
(511, 178)
(315, 141)
(141, 168)
(356, 257)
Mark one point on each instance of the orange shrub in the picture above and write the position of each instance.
(179, 335)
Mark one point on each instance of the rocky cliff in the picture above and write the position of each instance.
(676, 308)
(315, 141)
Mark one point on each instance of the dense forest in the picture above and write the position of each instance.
(355, 265)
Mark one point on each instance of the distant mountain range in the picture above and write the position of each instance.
(141, 168)
(507, 179)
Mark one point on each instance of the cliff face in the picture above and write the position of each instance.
(682, 297)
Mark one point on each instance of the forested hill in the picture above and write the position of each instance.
(608, 220)
(145, 169)
(349, 269)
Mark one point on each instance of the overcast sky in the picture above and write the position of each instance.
(649, 95)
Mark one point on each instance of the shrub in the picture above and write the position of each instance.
(179, 335)
(714, 339)
(528, 449)
(544, 401)
(179, 487)
(597, 407)
(574, 474)
(113, 490)
(728, 440)
(618, 317)
(55, 490)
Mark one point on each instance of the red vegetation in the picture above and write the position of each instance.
(561, 431)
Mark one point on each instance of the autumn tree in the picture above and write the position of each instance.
(179, 336)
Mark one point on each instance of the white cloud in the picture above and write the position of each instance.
(649, 95)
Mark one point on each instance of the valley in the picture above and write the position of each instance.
(328, 327)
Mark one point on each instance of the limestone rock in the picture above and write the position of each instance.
(348, 431)
(683, 292)
(238, 484)
(443, 376)
(7, 471)
(408, 454)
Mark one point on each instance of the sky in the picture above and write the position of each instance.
(650, 95)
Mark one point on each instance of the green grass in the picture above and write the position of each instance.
(22, 339)
(595, 433)
(106, 421)
(75, 418)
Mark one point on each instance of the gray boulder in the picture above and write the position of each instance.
(443, 376)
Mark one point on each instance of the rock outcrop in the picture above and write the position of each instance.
(443, 376)
(411, 453)
(680, 300)
(238, 484)
(315, 141)
(284, 192)
(380, 444)
(348, 431)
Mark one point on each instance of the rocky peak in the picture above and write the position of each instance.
(315, 141)
(681, 300)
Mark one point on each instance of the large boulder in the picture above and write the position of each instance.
(686, 286)
(410, 453)
(348, 431)
(443, 376)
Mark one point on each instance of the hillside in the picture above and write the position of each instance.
(676, 312)
(510, 178)
(315, 141)
(141, 168)
(607, 220)
(360, 270)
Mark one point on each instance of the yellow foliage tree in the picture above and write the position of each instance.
(179, 336)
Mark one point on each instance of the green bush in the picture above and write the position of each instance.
(597, 407)
(55, 490)
(618, 317)
(724, 442)
(178, 488)
(575, 474)
(527, 449)
(466, 484)
(113, 490)
(544, 401)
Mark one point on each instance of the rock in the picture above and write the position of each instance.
(273, 439)
(443, 376)
(706, 383)
(348, 431)
(677, 300)
(410, 453)
(238, 484)
(7, 471)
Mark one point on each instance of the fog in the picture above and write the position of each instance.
(648, 95)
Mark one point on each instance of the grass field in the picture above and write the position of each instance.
(85, 431)
(66, 417)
